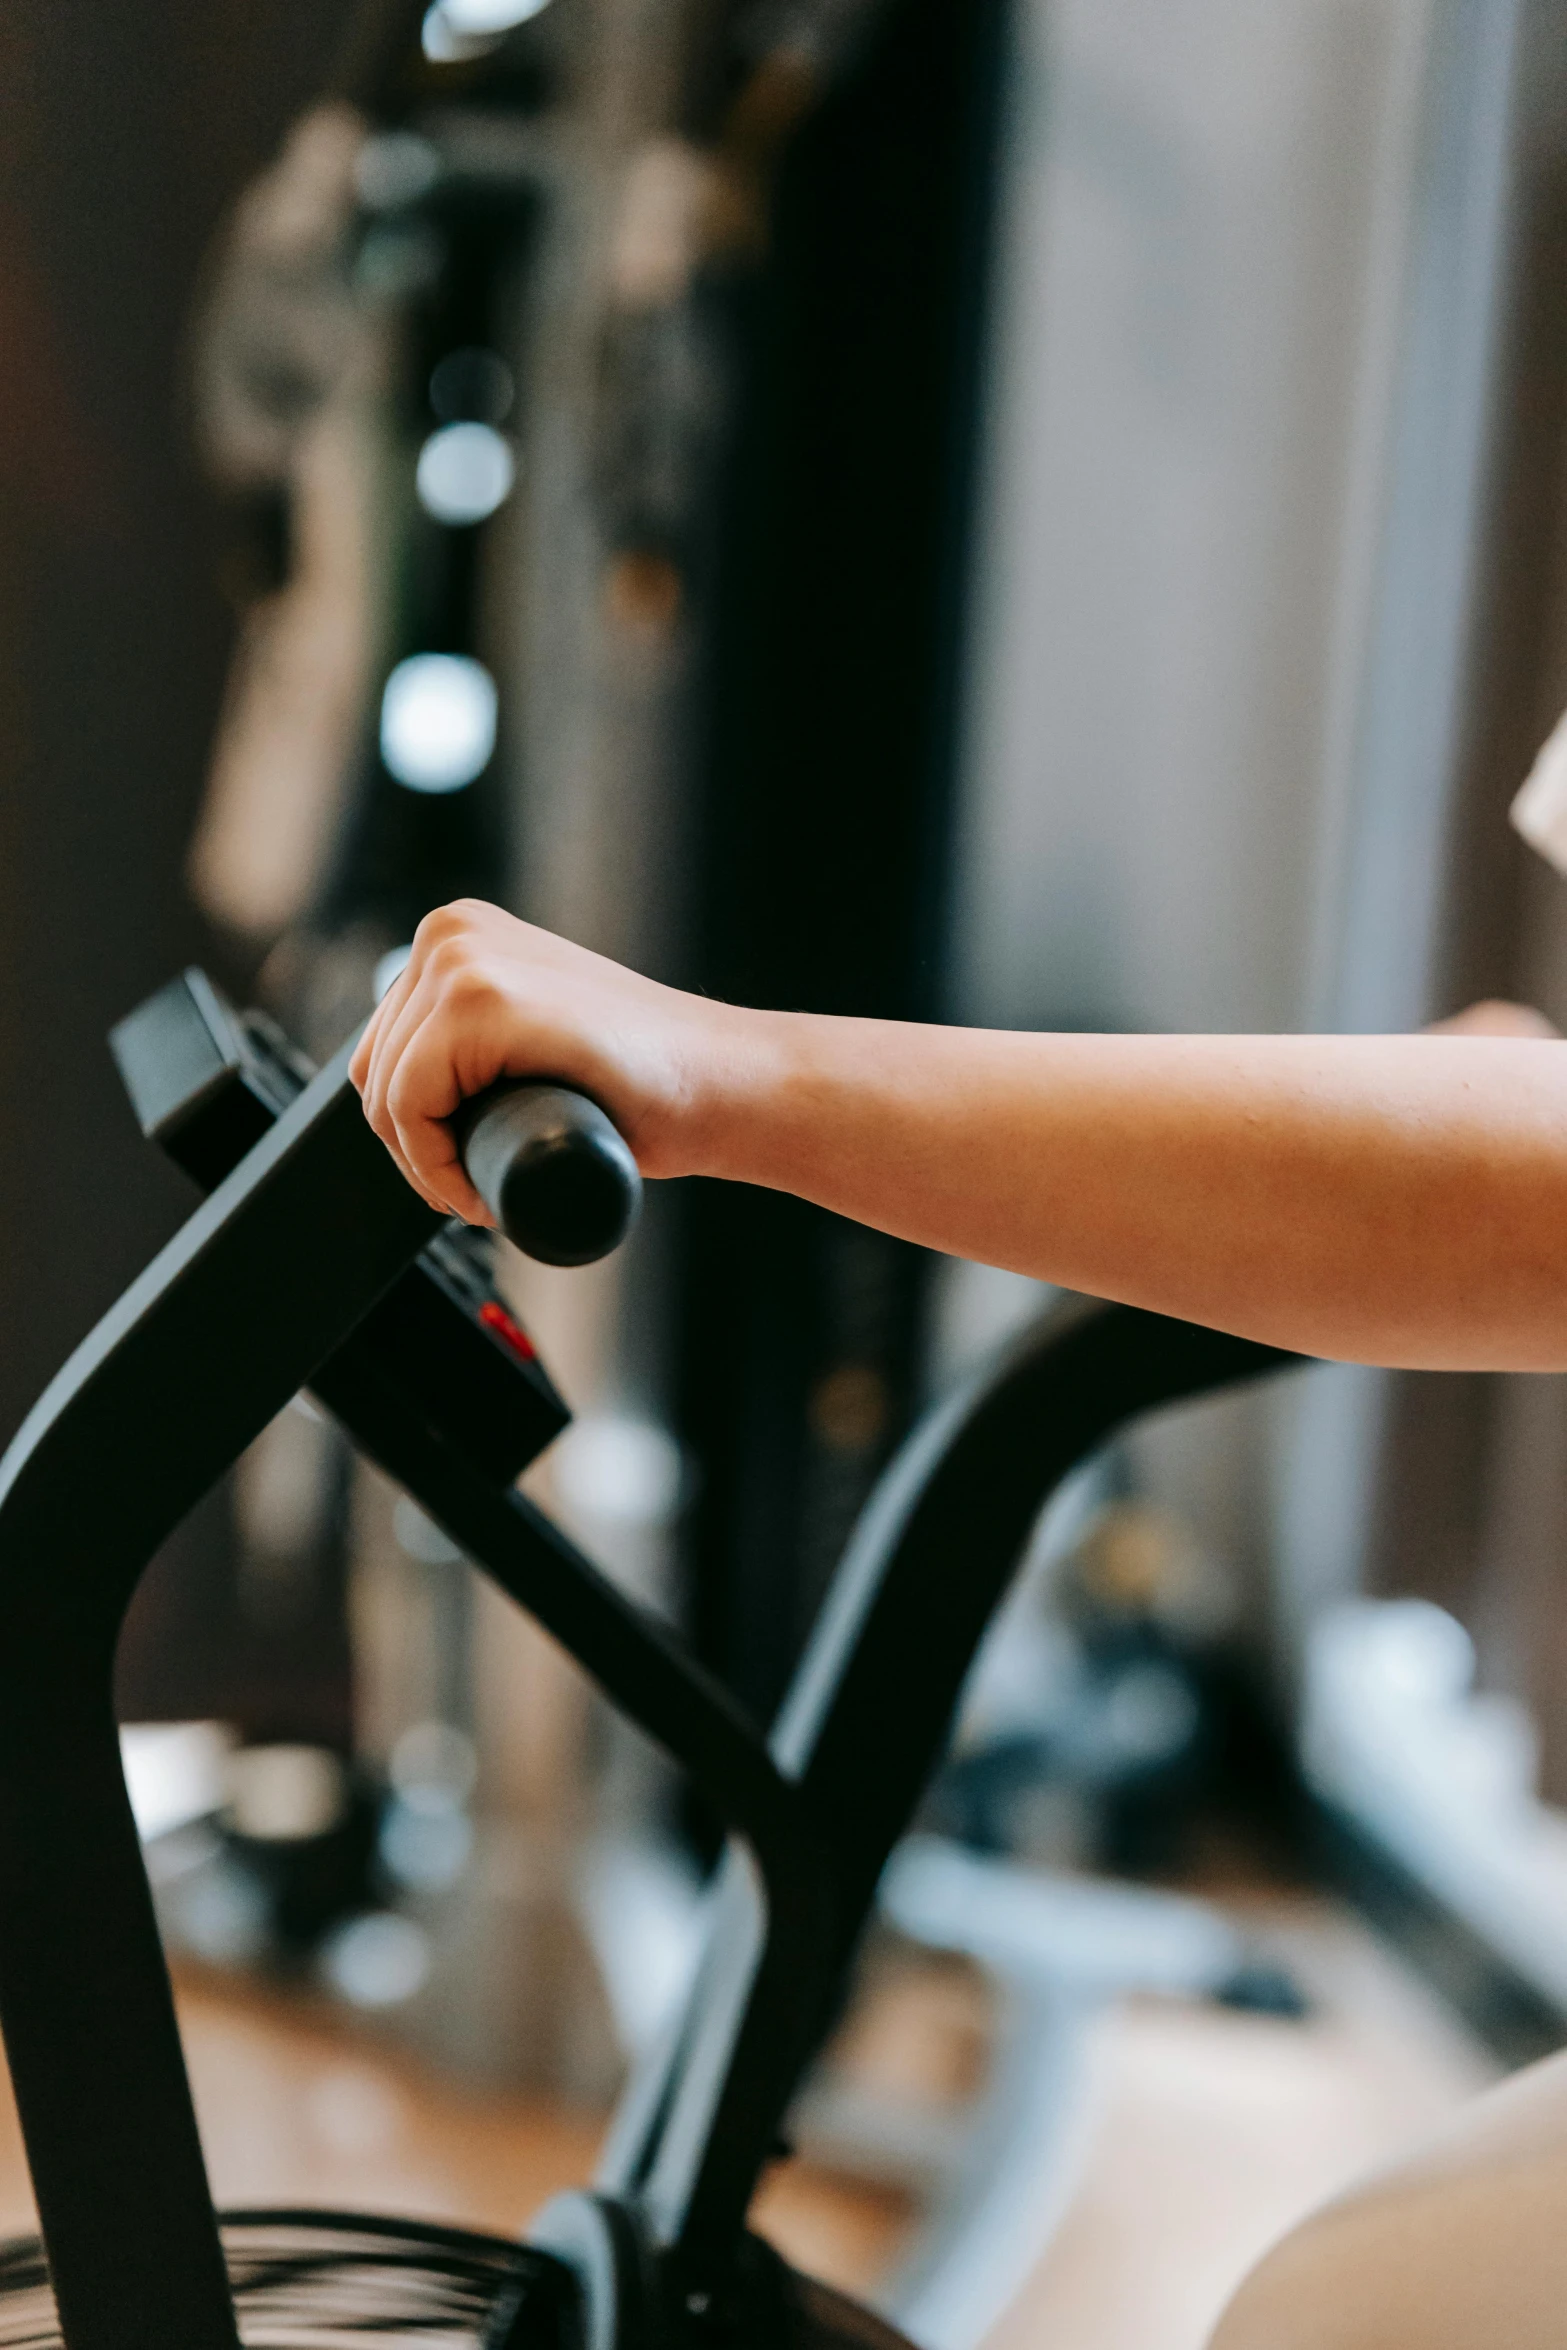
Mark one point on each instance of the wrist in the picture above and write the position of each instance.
(731, 1117)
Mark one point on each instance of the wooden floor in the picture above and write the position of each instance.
(296, 2108)
(1209, 2132)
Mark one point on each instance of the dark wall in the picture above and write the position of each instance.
(833, 691)
(124, 133)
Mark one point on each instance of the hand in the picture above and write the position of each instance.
(485, 996)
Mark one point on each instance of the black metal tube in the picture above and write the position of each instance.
(263, 1282)
(554, 1172)
(870, 1712)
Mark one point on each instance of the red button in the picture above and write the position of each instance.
(510, 1333)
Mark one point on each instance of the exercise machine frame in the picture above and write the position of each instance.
(267, 1289)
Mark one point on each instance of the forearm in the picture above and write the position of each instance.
(1390, 1199)
(1398, 1200)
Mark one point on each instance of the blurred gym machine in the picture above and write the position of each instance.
(825, 753)
(595, 394)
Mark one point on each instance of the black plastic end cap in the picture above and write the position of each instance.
(554, 1171)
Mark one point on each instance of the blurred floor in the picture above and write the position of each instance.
(298, 2107)
(1210, 2132)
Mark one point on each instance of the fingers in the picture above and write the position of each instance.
(379, 1028)
(374, 1063)
(363, 1065)
(482, 996)
(387, 1008)
(383, 1126)
(397, 1024)
(422, 1091)
(427, 1047)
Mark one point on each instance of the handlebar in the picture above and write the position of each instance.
(555, 1173)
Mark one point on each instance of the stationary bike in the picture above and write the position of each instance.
(313, 1264)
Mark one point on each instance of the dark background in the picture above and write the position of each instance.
(124, 134)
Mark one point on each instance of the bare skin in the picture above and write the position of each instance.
(1396, 1200)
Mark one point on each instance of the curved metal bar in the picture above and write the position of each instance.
(218, 1333)
(869, 1714)
(252, 1299)
(637, 1662)
(777, 1933)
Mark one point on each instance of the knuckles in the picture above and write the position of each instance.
(452, 963)
(465, 986)
(442, 923)
(447, 926)
(459, 978)
(444, 958)
(404, 1107)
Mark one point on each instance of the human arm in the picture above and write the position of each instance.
(1389, 1199)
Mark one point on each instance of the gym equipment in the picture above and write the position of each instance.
(314, 1264)
(555, 1174)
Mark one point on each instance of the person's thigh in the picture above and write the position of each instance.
(1463, 2247)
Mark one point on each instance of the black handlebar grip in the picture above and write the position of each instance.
(555, 1173)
